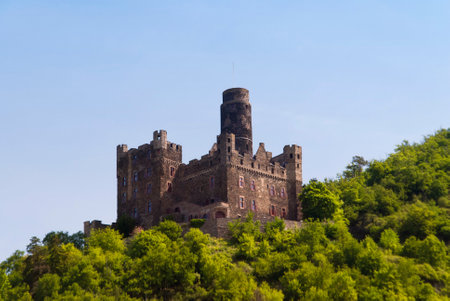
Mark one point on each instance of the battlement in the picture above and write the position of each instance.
(89, 226)
(122, 150)
(294, 150)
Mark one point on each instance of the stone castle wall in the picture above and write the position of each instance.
(226, 183)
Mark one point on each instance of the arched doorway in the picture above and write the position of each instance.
(220, 214)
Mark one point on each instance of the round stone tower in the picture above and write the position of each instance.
(236, 118)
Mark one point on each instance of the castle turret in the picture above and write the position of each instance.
(293, 163)
(236, 118)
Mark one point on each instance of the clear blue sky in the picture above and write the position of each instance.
(339, 78)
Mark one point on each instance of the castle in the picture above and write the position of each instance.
(226, 183)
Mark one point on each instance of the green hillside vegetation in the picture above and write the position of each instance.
(380, 231)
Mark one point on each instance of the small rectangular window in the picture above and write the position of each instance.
(211, 182)
(124, 182)
(253, 205)
(252, 185)
(135, 176)
(135, 190)
(124, 197)
(149, 172)
(241, 181)
(149, 188)
(149, 206)
(283, 212)
(272, 190)
(241, 202)
(282, 193)
(172, 171)
(135, 213)
(169, 187)
(272, 210)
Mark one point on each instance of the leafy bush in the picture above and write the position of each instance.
(197, 222)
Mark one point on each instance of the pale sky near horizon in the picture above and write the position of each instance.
(339, 78)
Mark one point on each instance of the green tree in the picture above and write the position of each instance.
(60, 237)
(355, 168)
(169, 228)
(390, 241)
(125, 225)
(249, 226)
(107, 239)
(48, 287)
(318, 202)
